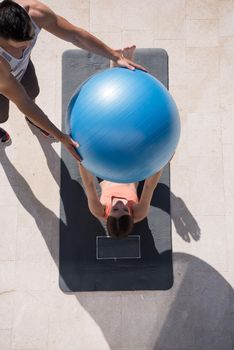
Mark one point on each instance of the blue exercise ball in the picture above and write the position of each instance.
(126, 123)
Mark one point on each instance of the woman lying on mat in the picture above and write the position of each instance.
(118, 204)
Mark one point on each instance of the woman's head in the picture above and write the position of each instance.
(15, 23)
(120, 221)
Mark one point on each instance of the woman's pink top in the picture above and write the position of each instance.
(112, 190)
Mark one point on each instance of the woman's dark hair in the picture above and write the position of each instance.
(15, 23)
(119, 227)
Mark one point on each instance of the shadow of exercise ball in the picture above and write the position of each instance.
(126, 122)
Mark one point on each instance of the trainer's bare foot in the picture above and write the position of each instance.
(127, 52)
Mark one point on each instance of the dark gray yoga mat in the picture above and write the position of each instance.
(111, 248)
(79, 269)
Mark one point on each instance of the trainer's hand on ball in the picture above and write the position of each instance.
(126, 63)
(71, 146)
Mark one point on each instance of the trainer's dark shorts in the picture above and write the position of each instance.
(30, 83)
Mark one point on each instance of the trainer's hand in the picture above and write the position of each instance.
(126, 63)
(71, 146)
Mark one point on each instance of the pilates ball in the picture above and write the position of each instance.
(126, 122)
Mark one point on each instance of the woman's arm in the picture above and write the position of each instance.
(95, 206)
(141, 209)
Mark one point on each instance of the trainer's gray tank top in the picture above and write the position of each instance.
(19, 66)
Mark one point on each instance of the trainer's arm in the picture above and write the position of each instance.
(95, 206)
(141, 209)
(16, 93)
(64, 30)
